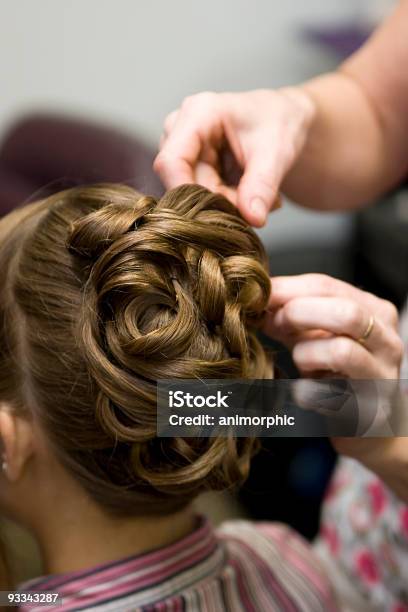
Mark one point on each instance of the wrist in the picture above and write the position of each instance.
(390, 463)
(303, 100)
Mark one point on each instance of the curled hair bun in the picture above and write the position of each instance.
(172, 288)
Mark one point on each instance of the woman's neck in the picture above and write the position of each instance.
(75, 541)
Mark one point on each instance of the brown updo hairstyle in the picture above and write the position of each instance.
(104, 291)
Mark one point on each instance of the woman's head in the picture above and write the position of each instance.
(102, 292)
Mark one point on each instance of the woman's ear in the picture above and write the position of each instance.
(16, 443)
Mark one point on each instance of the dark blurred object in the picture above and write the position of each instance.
(287, 482)
(381, 252)
(341, 40)
(43, 154)
(289, 476)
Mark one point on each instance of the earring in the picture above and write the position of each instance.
(4, 466)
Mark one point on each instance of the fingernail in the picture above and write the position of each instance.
(259, 210)
(279, 318)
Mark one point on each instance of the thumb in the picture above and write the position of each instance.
(258, 189)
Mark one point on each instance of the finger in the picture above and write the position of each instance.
(288, 335)
(334, 399)
(339, 316)
(209, 155)
(338, 354)
(167, 127)
(170, 121)
(175, 169)
(318, 395)
(285, 288)
(205, 172)
(196, 125)
(259, 186)
(162, 140)
(206, 175)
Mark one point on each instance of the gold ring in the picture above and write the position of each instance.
(367, 331)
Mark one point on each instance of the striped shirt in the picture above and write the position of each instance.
(241, 566)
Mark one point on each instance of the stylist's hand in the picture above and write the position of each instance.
(265, 131)
(321, 320)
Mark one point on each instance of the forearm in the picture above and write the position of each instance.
(392, 466)
(344, 163)
(385, 457)
(357, 147)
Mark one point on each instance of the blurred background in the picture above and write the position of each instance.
(86, 85)
(127, 64)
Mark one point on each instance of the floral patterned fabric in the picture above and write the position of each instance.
(364, 529)
(364, 532)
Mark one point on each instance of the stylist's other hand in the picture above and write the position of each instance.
(321, 320)
(263, 131)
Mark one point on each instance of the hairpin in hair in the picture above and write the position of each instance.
(174, 278)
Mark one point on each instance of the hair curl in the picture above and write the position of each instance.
(104, 291)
